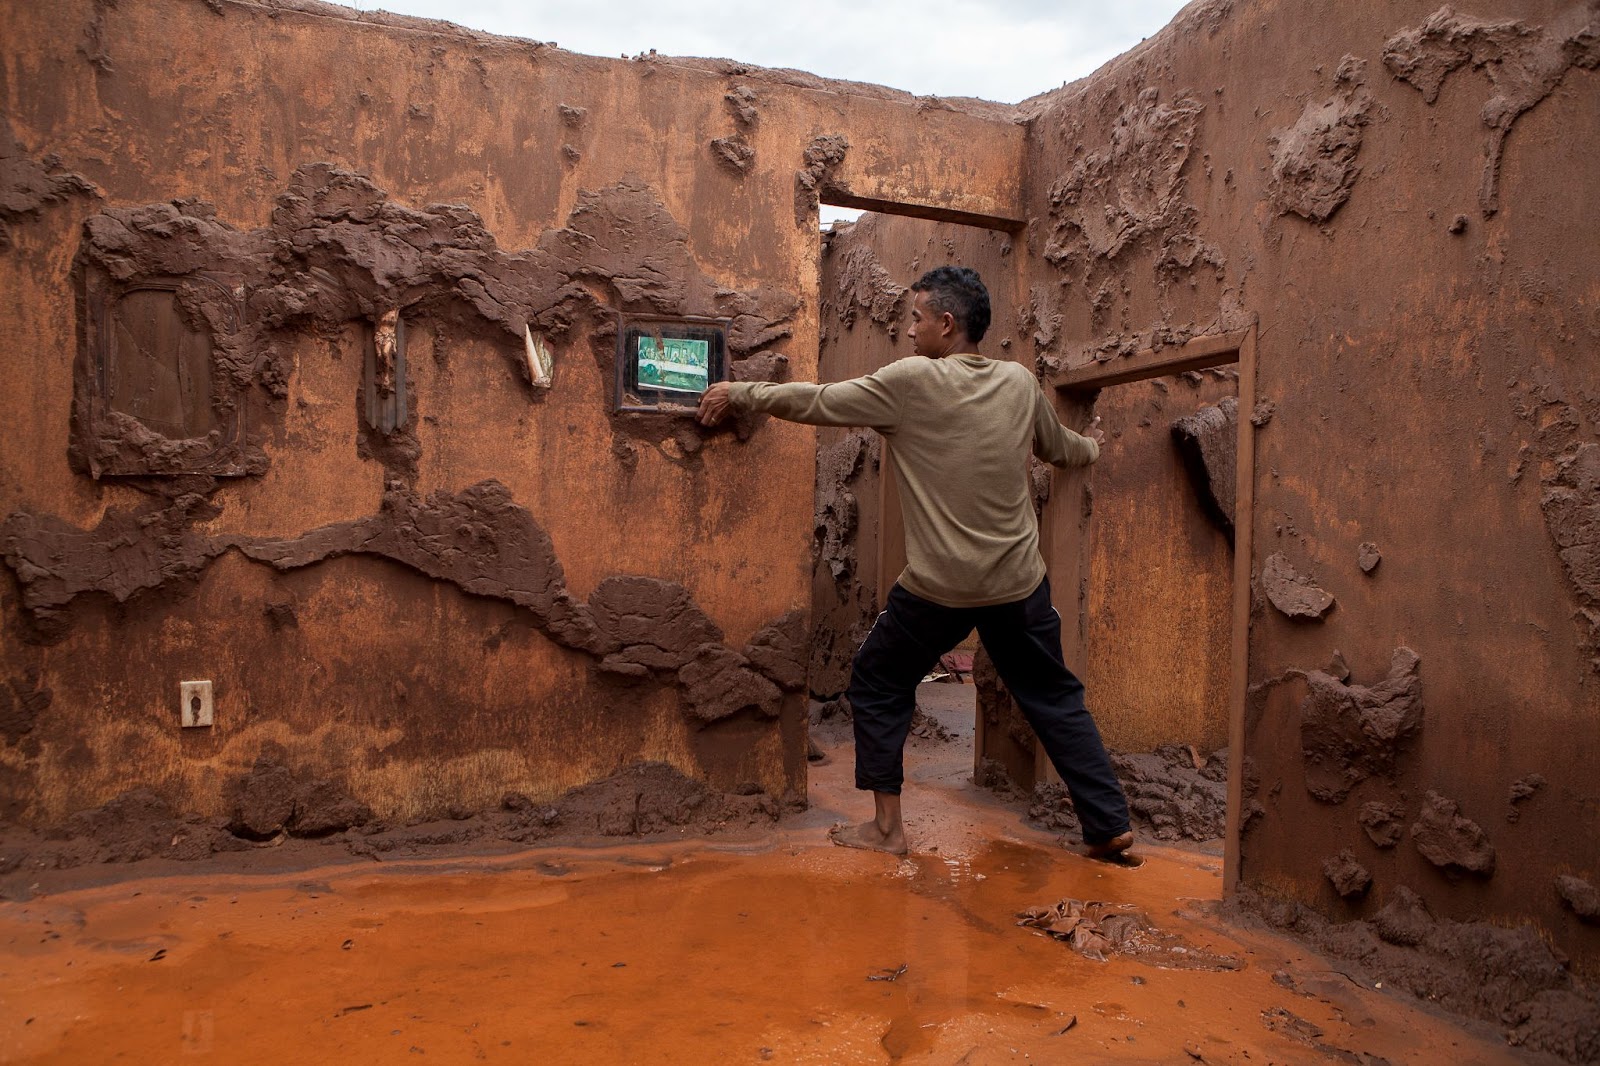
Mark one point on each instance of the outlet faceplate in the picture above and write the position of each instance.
(194, 703)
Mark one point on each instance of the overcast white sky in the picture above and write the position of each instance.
(1005, 50)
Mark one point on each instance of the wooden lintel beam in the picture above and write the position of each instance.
(838, 198)
(1217, 349)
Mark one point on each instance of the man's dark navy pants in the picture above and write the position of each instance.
(1023, 638)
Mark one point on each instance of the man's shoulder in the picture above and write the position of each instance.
(909, 368)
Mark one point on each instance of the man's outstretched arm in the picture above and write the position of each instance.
(866, 401)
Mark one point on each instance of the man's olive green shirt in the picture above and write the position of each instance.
(960, 429)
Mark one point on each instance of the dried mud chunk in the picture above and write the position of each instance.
(822, 157)
(1560, 1022)
(1581, 896)
(1292, 593)
(1524, 65)
(1383, 823)
(1368, 557)
(718, 682)
(322, 807)
(1404, 920)
(778, 650)
(1450, 841)
(1522, 789)
(733, 154)
(263, 801)
(1351, 732)
(1349, 878)
(864, 285)
(27, 186)
(656, 622)
(1337, 667)
(1314, 161)
(1209, 441)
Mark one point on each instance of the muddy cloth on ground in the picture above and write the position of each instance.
(1096, 929)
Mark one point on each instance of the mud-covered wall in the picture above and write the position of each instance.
(1395, 195)
(868, 268)
(390, 512)
(1158, 598)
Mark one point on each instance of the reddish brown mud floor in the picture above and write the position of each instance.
(775, 949)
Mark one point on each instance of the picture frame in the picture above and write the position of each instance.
(665, 364)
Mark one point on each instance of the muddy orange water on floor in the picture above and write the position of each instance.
(774, 949)
(666, 955)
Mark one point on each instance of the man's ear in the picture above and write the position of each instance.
(947, 323)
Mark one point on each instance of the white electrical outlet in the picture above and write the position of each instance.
(195, 700)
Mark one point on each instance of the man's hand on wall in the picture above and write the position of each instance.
(1094, 432)
(714, 404)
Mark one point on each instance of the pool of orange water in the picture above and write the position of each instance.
(675, 954)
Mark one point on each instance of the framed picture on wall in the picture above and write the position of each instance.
(664, 364)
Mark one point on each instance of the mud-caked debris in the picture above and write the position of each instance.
(1522, 789)
(742, 103)
(824, 155)
(1337, 667)
(1571, 505)
(1450, 841)
(1096, 930)
(1209, 443)
(1262, 413)
(718, 682)
(654, 623)
(1384, 823)
(1581, 896)
(839, 466)
(1405, 919)
(126, 554)
(1523, 64)
(1368, 557)
(865, 287)
(1169, 797)
(1130, 190)
(271, 799)
(136, 825)
(778, 649)
(1294, 594)
(1314, 160)
(1349, 878)
(1351, 732)
(1508, 977)
(733, 154)
(26, 185)
(927, 727)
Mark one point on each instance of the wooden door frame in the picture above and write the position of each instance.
(1067, 547)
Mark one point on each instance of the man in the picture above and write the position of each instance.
(961, 427)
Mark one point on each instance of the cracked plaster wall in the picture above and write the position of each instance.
(465, 606)
(1427, 327)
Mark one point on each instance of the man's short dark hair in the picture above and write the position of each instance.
(959, 291)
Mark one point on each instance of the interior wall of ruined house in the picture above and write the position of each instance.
(1391, 199)
(519, 590)
(1395, 200)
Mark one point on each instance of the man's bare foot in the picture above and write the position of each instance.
(1114, 850)
(868, 837)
